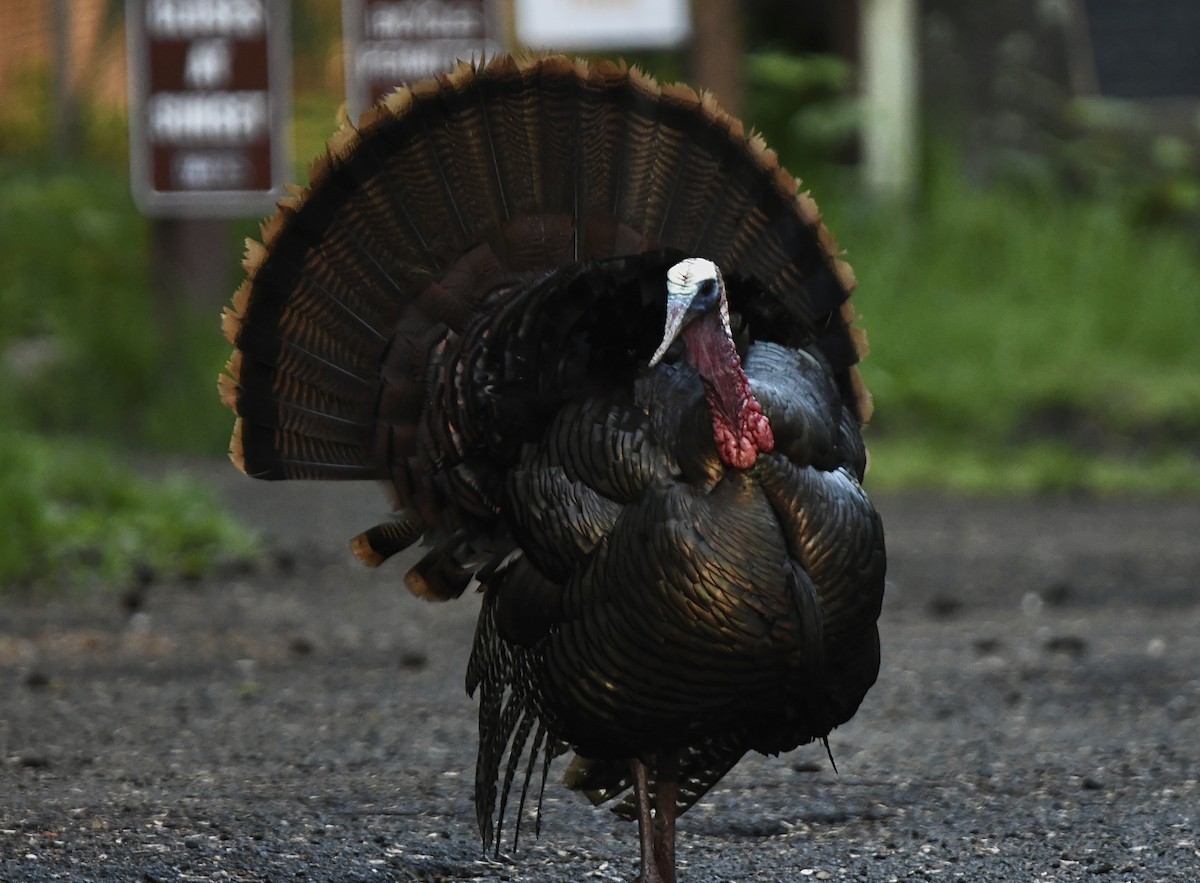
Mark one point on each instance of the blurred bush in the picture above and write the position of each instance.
(806, 107)
(81, 350)
(74, 518)
(1026, 339)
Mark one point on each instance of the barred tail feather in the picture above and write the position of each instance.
(487, 174)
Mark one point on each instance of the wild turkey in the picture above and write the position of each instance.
(677, 561)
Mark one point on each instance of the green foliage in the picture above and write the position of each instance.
(315, 121)
(804, 105)
(986, 467)
(75, 518)
(80, 348)
(1014, 332)
(82, 353)
(26, 122)
(1122, 152)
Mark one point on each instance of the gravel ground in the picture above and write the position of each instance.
(1037, 717)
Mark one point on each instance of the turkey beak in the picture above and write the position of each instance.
(677, 315)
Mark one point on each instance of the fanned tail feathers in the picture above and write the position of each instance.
(478, 178)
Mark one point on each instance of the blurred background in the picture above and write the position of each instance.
(1016, 183)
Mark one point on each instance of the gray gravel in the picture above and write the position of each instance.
(1037, 717)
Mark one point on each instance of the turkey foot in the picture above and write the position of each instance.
(656, 826)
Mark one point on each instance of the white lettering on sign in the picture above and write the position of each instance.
(423, 20)
(188, 19)
(210, 170)
(410, 61)
(229, 118)
(208, 64)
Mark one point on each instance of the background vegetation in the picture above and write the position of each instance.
(1034, 329)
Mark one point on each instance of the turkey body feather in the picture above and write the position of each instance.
(678, 562)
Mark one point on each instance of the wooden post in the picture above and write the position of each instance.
(192, 264)
(716, 52)
(890, 73)
(66, 101)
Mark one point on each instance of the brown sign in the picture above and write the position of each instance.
(389, 42)
(209, 96)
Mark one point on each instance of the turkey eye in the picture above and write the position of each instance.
(706, 296)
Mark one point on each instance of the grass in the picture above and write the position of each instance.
(1026, 342)
(75, 518)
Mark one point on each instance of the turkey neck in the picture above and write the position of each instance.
(740, 429)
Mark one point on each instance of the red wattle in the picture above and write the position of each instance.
(740, 428)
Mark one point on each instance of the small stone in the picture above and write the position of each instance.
(1067, 645)
(413, 659)
(943, 606)
(1057, 594)
(300, 645)
(987, 646)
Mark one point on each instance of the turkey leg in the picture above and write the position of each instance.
(664, 816)
(649, 873)
(656, 825)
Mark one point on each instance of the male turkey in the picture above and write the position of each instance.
(599, 351)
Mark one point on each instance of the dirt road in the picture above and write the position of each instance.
(1037, 717)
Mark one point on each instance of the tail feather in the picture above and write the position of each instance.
(291, 455)
(310, 421)
(373, 547)
(700, 767)
(520, 736)
(476, 177)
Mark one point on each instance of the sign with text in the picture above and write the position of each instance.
(209, 88)
(389, 42)
(602, 24)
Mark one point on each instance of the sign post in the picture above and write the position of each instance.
(209, 86)
(890, 70)
(209, 102)
(389, 42)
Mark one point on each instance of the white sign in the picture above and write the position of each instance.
(602, 24)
